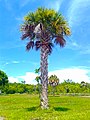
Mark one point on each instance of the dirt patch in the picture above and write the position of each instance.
(2, 118)
(86, 96)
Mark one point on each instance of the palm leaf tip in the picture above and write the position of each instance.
(27, 31)
(30, 45)
(24, 36)
(38, 45)
(50, 46)
(61, 41)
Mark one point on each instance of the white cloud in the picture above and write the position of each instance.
(76, 74)
(13, 79)
(29, 78)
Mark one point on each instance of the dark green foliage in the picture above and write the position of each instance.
(19, 88)
(70, 87)
(3, 78)
(67, 87)
(3, 81)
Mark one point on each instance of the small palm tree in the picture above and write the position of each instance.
(44, 28)
(53, 81)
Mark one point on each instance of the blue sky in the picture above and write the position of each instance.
(70, 62)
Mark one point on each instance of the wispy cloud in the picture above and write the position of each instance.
(24, 2)
(79, 21)
(72, 44)
(55, 4)
(75, 13)
(81, 47)
(10, 45)
(85, 50)
(19, 18)
(15, 62)
(10, 62)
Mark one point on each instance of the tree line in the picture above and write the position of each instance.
(54, 87)
(12, 88)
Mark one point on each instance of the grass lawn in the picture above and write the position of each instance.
(26, 107)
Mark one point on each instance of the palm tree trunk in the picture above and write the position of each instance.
(44, 77)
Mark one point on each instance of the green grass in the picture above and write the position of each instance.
(26, 107)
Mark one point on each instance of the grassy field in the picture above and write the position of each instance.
(26, 107)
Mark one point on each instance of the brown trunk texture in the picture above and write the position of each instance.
(44, 78)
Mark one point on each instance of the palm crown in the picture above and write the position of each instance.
(44, 28)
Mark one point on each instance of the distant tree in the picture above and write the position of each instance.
(3, 78)
(67, 85)
(23, 81)
(83, 84)
(53, 81)
(44, 28)
(88, 85)
(68, 81)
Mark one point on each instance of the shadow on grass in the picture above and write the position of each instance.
(32, 108)
(61, 109)
(55, 108)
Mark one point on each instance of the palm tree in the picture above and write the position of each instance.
(53, 81)
(44, 28)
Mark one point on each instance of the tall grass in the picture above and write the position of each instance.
(26, 107)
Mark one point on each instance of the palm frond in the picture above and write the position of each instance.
(60, 40)
(24, 36)
(50, 46)
(30, 45)
(27, 31)
(38, 45)
(44, 26)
